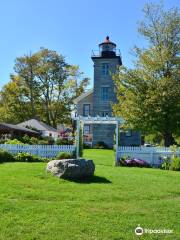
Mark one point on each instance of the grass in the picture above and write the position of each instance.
(35, 205)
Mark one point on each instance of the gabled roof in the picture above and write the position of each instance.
(8, 127)
(34, 123)
(76, 100)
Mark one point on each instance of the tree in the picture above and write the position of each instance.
(25, 68)
(43, 85)
(148, 95)
(13, 107)
(58, 86)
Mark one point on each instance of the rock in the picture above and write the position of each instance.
(71, 168)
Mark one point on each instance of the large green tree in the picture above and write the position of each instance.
(149, 94)
(25, 70)
(14, 107)
(43, 85)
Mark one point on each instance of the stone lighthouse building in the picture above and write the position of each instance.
(99, 100)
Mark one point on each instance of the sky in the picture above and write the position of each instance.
(73, 28)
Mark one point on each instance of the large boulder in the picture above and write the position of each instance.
(71, 168)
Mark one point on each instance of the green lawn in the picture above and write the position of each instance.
(35, 205)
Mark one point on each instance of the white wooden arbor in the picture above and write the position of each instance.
(97, 120)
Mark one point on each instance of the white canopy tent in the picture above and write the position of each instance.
(97, 120)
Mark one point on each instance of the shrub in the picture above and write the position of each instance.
(166, 163)
(86, 146)
(42, 142)
(14, 141)
(34, 141)
(170, 163)
(6, 156)
(2, 141)
(133, 162)
(64, 141)
(101, 145)
(48, 140)
(64, 155)
(27, 157)
(26, 139)
(175, 164)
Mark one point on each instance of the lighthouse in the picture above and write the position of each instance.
(106, 62)
(98, 101)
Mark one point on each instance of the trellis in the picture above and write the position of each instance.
(97, 120)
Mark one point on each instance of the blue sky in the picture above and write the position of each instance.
(72, 28)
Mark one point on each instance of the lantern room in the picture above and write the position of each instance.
(107, 48)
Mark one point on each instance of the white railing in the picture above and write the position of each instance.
(46, 151)
(152, 155)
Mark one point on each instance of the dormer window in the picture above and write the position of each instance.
(105, 69)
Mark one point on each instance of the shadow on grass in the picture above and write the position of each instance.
(94, 179)
(104, 164)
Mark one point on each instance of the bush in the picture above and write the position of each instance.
(166, 163)
(175, 164)
(6, 156)
(133, 162)
(26, 139)
(14, 141)
(64, 155)
(64, 141)
(42, 142)
(48, 140)
(26, 157)
(86, 146)
(2, 141)
(34, 141)
(170, 163)
(101, 145)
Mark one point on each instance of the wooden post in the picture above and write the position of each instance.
(117, 143)
(152, 156)
(77, 138)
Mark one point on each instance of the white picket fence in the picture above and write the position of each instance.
(46, 151)
(152, 155)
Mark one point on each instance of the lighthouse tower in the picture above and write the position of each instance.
(98, 101)
(105, 64)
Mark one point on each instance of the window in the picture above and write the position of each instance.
(86, 129)
(86, 110)
(105, 93)
(105, 69)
